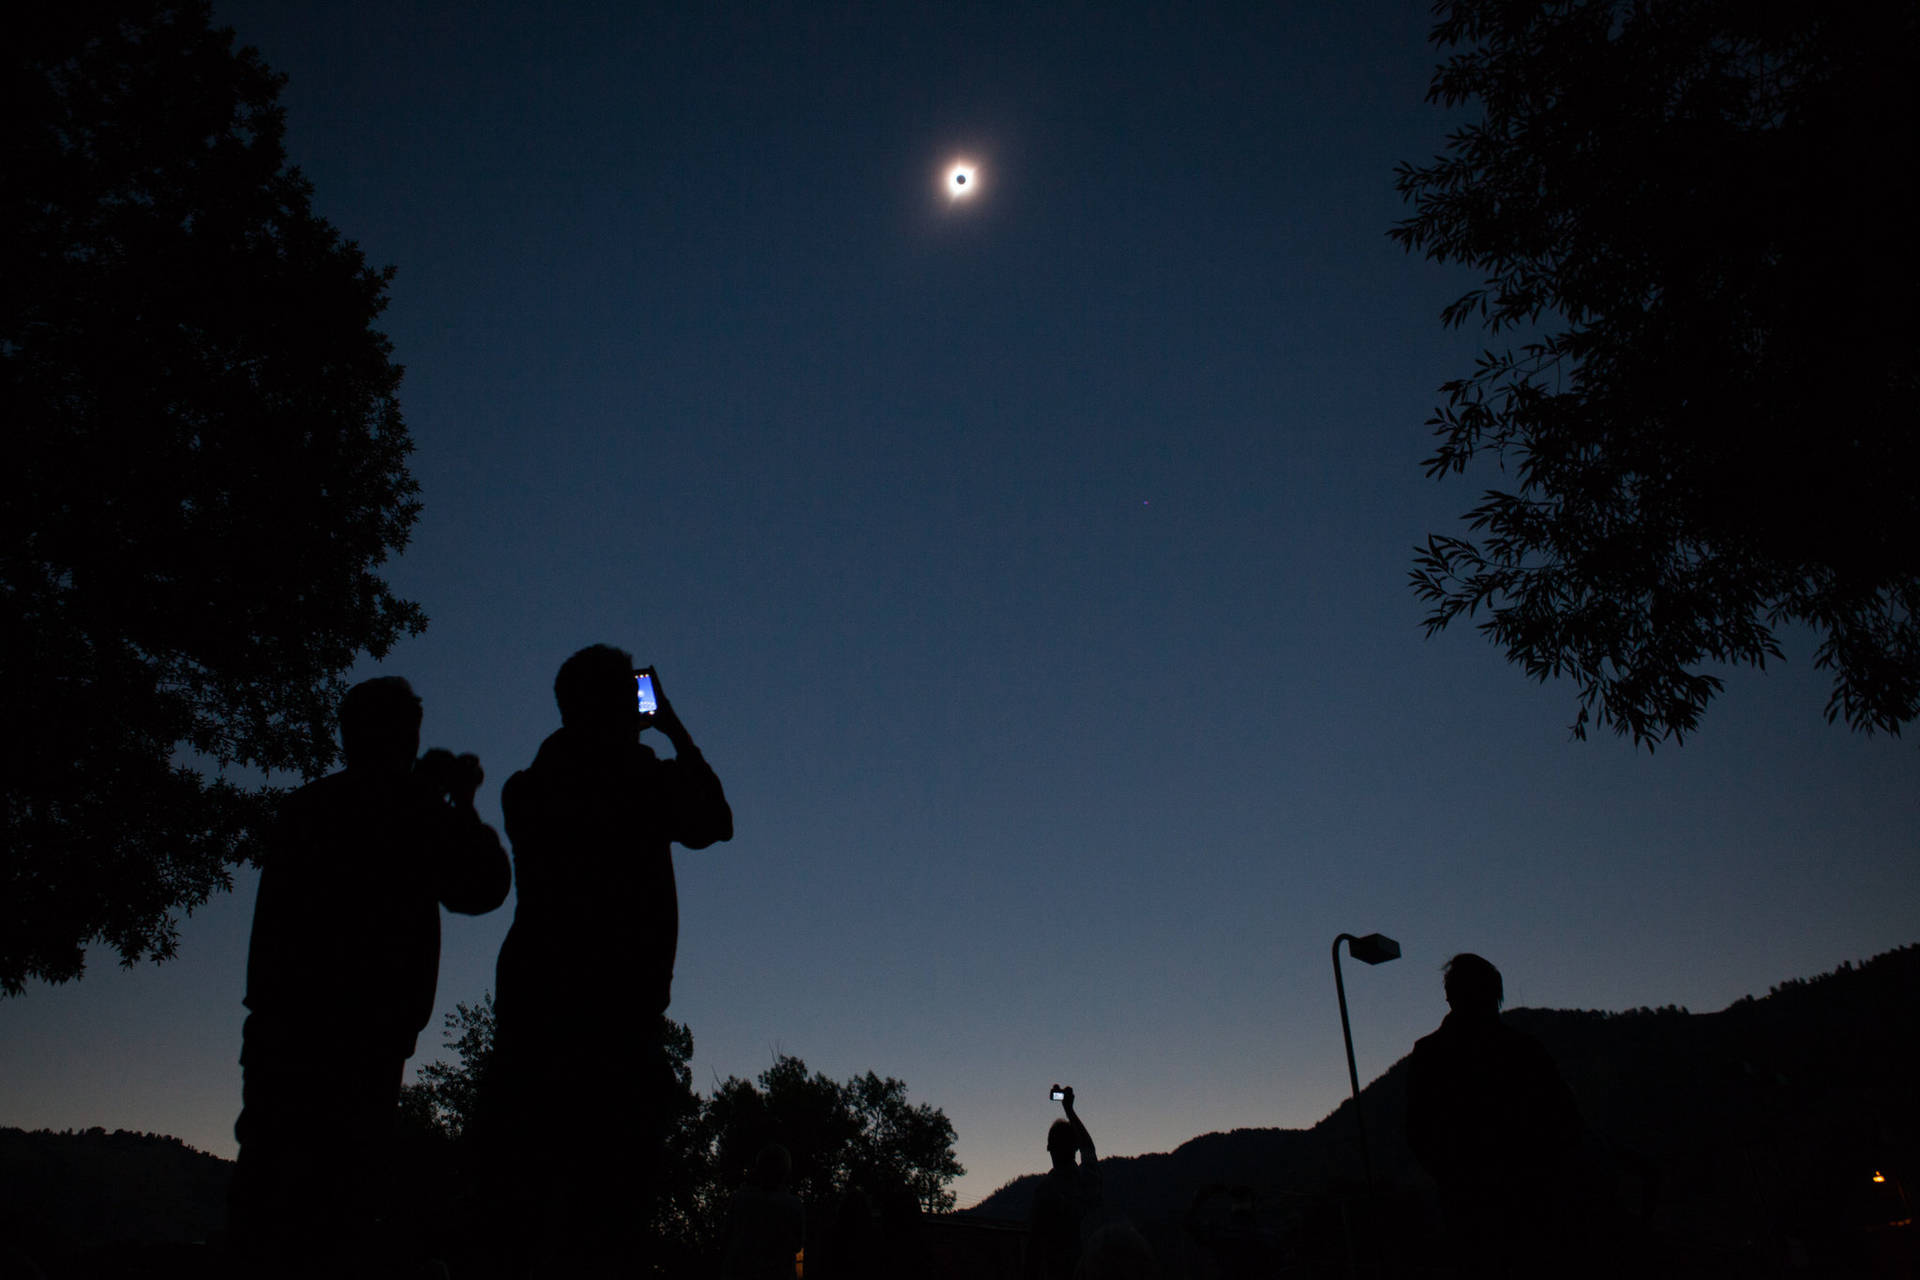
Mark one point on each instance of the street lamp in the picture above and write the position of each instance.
(1375, 948)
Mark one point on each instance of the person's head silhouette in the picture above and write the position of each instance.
(380, 726)
(1061, 1144)
(772, 1168)
(1473, 986)
(596, 694)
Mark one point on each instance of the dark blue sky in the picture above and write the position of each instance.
(1033, 568)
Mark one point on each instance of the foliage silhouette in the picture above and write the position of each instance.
(861, 1131)
(840, 1133)
(442, 1097)
(206, 463)
(1689, 210)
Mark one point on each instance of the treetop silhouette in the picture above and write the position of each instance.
(1690, 220)
(206, 464)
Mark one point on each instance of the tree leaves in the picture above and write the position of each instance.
(1709, 426)
(863, 1131)
(206, 465)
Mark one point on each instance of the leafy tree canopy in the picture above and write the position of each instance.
(860, 1131)
(1697, 214)
(840, 1134)
(205, 464)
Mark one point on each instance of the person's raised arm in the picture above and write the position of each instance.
(473, 871)
(704, 817)
(1081, 1138)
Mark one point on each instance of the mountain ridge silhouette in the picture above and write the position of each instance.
(1763, 1120)
(1753, 1126)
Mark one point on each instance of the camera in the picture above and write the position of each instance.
(1059, 1094)
(646, 702)
(448, 776)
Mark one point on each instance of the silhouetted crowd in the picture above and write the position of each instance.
(344, 962)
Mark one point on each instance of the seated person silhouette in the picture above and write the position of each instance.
(586, 972)
(1489, 1116)
(341, 971)
(1066, 1198)
(766, 1223)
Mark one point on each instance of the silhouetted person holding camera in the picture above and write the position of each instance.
(1489, 1116)
(1065, 1197)
(586, 972)
(341, 972)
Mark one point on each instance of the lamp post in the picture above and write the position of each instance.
(1375, 948)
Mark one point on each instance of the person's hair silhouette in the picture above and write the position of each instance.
(341, 975)
(586, 972)
(1490, 1118)
(380, 725)
(595, 691)
(1473, 985)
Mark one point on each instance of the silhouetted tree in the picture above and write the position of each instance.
(1697, 213)
(863, 1130)
(901, 1144)
(437, 1108)
(442, 1098)
(205, 461)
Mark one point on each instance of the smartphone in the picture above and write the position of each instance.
(1059, 1094)
(647, 703)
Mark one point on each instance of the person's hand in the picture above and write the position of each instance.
(467, 777)
(456, 778)
(1066, 1099)
(663, 717)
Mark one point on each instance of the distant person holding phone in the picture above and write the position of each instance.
(586, 972)
(341, 973)
(1065, 1199)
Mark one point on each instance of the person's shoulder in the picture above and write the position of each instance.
(338, 780)
(320, 793)
(1514, 1040)
(1525, 1046)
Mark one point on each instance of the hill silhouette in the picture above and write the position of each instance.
(1753, 1132)
(67, 1194)
(1745, 1138)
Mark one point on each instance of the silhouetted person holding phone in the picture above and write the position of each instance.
(586, 972)
(341, 972)
(1065, 1198)
(1489, 1116)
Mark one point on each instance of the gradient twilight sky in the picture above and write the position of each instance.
(1031, 568)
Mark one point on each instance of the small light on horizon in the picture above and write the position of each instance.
(1879, 1176)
